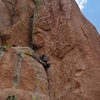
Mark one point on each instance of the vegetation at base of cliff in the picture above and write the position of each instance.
(11, 97)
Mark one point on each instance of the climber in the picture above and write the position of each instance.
(44, 59)
(41, 59)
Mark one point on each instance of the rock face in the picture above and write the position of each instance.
(73, 46)
(22, 76)
(61, 32)
(16, 21)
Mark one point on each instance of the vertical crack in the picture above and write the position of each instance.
(46, 70)
(38, 4)
(31, 32)
(34, 46)
(44, 64)
(11, 8)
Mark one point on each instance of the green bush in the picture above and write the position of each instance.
(11, 97)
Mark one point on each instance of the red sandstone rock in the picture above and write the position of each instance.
(62, 33)
(73, 46)
(16, 20)
(22, 76)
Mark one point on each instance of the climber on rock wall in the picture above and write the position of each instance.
(44, 59)
(41, 59)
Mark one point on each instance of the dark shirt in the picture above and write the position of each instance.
(44, 58)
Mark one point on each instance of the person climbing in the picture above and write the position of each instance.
(44, 59)
(41, 59)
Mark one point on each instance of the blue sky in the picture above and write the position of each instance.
(91, 10)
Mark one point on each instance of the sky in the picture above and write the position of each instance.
(91, 10)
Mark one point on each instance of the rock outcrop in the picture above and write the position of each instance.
(21, 75)
(64, 35)
(16, 18)
(73, 46)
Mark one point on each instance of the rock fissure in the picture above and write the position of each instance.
(31, 32)
(33, 43)
(8, 5)
(46, 68)
(37, 58)
(47, 73)
(34, 46)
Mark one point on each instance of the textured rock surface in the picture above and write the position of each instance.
(63, 34)
(73, 46)
(22, 76)
(16, 20)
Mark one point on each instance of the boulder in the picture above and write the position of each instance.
(21, 75)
